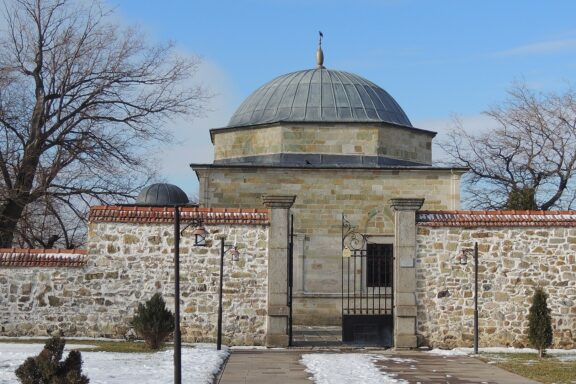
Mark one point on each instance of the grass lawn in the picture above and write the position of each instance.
(101, 345)
(546, 370)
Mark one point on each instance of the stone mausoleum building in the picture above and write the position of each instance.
(331, 213)
(344, 148)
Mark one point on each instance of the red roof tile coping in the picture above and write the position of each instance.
(43, 250)
(143, 214)
(27, 257)
(496, 218)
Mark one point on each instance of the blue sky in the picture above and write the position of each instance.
(436, 58)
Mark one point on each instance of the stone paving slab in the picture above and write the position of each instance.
(264, 366)
(432, 369)
(282, 366)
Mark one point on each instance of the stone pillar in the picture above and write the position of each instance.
(277, 322)
(405, 271)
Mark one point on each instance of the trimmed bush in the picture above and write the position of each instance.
(540, 322)
(153, 322)
(46, 368)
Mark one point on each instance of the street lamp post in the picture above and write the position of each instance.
(219, 336)
(476, 298)
(463, 259)
(199, 240)
(177, 337)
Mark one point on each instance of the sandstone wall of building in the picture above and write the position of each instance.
(336, 139)
(405, 144)
(126, 264)
(323, 195)
(512, 262)
(240, 142)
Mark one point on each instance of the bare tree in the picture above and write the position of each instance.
(49, 224)
(527, 160)
(81, 101)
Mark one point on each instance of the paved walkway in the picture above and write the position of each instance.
(264, 366)
(281, 366)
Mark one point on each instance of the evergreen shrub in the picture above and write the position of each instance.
(153, 322)
(46, 368)
(540, 322)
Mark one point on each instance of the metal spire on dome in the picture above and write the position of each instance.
(319, 53)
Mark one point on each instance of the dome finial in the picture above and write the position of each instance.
(319, 53)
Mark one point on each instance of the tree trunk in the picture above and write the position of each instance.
(11, 210)
(10, 213)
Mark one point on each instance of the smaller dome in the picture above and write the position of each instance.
(162, 194)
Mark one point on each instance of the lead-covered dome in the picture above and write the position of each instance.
(162, 194)
(319, 95)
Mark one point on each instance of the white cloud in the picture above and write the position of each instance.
(192, 142)
(540, 48)
(472, 124)
(191, 136)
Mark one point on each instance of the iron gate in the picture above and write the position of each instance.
(367, 291)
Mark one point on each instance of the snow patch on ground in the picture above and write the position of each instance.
(397, 360)
(67, 338)
(566, 354)
(248, 347)
(566, 357)
(449, 352)
(199, 364)
(349, 368)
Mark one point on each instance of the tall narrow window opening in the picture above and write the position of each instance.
(379, 265)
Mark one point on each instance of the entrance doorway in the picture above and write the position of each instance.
(367, 291)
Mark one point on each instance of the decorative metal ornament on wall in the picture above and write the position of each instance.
(352, 240)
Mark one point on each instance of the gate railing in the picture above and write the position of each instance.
(367, 281)
(367, 292)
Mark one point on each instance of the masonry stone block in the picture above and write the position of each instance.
(276, 328)
(406, 311)
(405, 342)
(276, 339)
(406, 325)
(406, 280)
(405, 256)
(404, 271)
(405, 298)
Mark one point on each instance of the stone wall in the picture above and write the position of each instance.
(513, 260)
(337, 139)
(125, 265)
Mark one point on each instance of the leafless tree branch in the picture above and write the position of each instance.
(79, 99)
(532, 146)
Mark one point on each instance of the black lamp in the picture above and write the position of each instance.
(200, 236)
